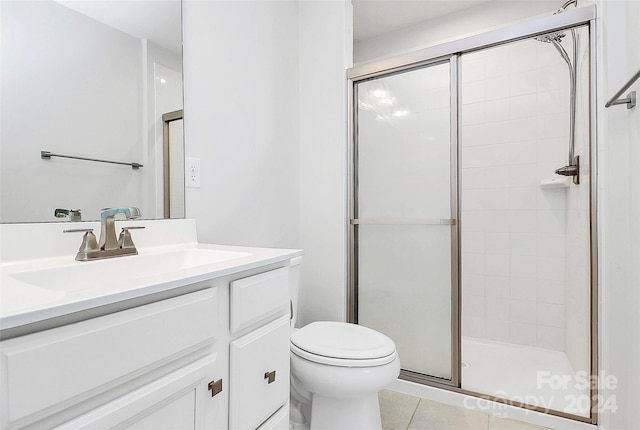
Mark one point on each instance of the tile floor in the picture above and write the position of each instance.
(404, 412)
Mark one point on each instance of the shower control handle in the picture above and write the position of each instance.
(571, 170)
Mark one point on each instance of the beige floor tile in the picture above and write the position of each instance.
(396, 409)
(438, 416)
(496, 423)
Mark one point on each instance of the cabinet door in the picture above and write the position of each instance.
(259, 377)
(180, 400)
(53, 370)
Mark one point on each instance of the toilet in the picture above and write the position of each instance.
(337, 370)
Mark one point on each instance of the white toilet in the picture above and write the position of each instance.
(337, 370)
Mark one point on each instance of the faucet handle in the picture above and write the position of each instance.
(125, 240)
(89, 242)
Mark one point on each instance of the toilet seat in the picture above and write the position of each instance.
(342, 344)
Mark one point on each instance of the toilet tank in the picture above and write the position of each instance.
(294, 285)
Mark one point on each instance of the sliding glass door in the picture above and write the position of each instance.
(404, 227)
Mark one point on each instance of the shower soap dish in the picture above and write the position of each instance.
(547, 184)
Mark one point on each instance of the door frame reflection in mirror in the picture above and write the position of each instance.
(58, 107)
(173, 169)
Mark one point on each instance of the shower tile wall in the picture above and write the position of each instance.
(515, 116)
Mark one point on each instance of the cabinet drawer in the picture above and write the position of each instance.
(57, 368)
(257, 297)
(252, 398)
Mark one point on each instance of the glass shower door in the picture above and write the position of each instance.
(404, 216)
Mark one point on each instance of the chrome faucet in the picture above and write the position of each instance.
(108, 246)
(73, 214)
(108, 240)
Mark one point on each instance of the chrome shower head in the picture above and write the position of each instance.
(556, 40)
(551, 37)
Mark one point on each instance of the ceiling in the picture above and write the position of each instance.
(160, 20)
(375, 17)
(157, 20)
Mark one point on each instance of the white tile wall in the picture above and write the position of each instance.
(515, 119)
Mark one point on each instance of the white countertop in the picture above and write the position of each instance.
(35, 290)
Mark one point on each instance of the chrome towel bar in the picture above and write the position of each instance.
(403, 221)
(46, 155)
(630, 100)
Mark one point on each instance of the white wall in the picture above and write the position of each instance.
(619, 151)
(241, 120)
(452, 26)
(265, 111)
(324, 54)
(47, 105)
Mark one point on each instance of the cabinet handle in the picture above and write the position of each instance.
(215, 387)
(270, 376)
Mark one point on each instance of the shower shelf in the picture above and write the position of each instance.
(554, 183)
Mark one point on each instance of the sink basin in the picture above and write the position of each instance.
(82, 275)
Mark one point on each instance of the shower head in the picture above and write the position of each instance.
(556, 40)
(551, 37)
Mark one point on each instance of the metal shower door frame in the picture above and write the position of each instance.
(449, 51)
(454, 225)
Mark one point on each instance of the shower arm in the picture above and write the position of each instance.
(573, 167)
(572, 102)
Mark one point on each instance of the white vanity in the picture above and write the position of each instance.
(181, 336)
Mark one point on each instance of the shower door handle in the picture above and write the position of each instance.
(404, 221)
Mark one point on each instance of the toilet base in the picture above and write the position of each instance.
(362, 413)
(359, 413)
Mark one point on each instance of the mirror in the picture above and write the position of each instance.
(89, 79)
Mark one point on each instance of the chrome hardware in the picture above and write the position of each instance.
(124, 240)
(108, 246)
(555, 39)
(215, 387)
(89, 244)
(108, 239)
(402, 221)
(270, 377)
(571, 170)
(631, 97)
(73, 214)
(630, 101)
(46, 155)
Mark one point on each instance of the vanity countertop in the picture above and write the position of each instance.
(36, 290)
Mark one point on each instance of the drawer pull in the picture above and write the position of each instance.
(270, 377)
(215, 387)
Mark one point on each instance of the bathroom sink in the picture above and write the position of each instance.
(115, 271)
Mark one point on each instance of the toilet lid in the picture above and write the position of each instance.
(342, 340)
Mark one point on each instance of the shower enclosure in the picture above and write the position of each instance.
(472, 224)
